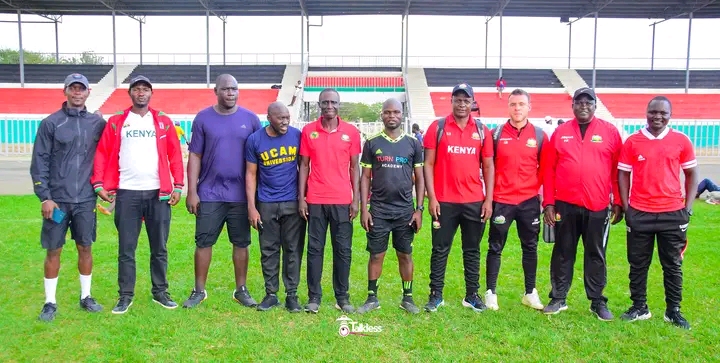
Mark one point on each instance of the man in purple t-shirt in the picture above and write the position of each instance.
(216, 186)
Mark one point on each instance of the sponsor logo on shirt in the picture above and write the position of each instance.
(314, 135)
(387, 161)
(641, 158)
(345, 138)
(279, 155)
(596, 138)
(461, 150)
(531, 143)
(475, 136)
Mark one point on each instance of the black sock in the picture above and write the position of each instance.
(407, 288)
(372, 287)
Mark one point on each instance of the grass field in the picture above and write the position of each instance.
(222, 330)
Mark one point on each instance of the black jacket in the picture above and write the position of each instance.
(63, 154)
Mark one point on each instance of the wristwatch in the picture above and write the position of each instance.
(689, 211)
(420, 208)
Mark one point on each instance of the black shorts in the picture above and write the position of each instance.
(81, 218)
(402, 235)
(211, 218)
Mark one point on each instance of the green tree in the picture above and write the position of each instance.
(354, 111)
(12, 56)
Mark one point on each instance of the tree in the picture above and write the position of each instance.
(12, 56)
(354, 112)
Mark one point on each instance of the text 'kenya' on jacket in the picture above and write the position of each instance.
(106, 172)
(63, 153)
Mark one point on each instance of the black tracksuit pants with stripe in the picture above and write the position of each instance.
(593, 227)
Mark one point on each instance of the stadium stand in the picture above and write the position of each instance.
(51, 73)
(555, 104)
(685, 106)
(354, 69)
(36, 101)
(356, 83)
(185, 74)
(661, 79)
(525, 78)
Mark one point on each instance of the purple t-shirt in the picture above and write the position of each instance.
(220, 139)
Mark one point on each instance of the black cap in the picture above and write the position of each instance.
(139, 79)
(585, 91)
(464, 87)
(76, 78)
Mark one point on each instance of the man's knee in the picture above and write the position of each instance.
(404, 258)
(84, 250)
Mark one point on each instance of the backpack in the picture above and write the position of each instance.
(478, 124)
(539, 137)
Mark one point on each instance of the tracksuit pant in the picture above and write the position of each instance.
(283, 230)
(670, 229)
(527, 217)
(467, 217)
(131, 206)
(593, 227)
(337, 218)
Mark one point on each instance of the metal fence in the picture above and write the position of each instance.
(17, 132)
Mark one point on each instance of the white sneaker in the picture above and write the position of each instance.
(533, 300)
(491, 300)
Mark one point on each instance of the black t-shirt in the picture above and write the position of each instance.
(583, 129)
(392, 163)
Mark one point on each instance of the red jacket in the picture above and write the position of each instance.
(581, 171)
(106, 171)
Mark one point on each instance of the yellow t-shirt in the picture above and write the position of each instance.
(180, 132)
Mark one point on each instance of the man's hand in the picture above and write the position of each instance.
(174, 198)
(434, 208)
(354, 209)
(104, 195)
(417, 219)
(192, 203)
(47, 209)
(366, 220)
(254, 217)
(617, 214)
(487, 210)
(549, 215)
(303, 208)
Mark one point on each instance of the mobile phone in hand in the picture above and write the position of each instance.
(260, 227)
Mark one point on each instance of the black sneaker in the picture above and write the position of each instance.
(636, 313)
(345, 306)
(48, 312)
(196, 297)
(601, 311)
(370, 304)
(473, 301)
(122, 306)
(555, 306)
(164, 300)
(313, 306)
(408, 305)
(270, 301)
(90, 305)
(434, 301)
(292, 304)
(243, 297)
(674, 317)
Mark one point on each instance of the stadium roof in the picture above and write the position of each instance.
(629, 9)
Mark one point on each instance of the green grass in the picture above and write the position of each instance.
(222, 330)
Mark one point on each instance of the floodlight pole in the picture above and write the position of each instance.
(21, 51)
(302, 41)
(487, 31)
(687, 60)
(57, 43)
(207, 46)
(652, 51)
(569, 44)
(224, 48)
(407, 39)
(402, 45)
(501, 39)
(140, 43)
(114, 33)
(594, 50)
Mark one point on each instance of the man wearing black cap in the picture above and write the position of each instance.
(61, 165)
(139, 163)
(580, 182)
(456, 147)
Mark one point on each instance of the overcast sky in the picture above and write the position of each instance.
(527, 42)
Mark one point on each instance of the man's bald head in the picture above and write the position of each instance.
(392, 103)
(225, 79)
(392, 114)
(279, 117)
(276, 107)
(226, 90)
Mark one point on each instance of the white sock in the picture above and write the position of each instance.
(85, 282)
(50, 288)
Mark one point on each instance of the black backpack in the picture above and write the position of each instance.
(478, 124)
(539, 136)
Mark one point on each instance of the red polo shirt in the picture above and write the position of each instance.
(457, 160)
(655, 164)
(582, 171)
(329, 153)
(517, 170)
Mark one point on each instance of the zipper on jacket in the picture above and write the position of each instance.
(77, 162)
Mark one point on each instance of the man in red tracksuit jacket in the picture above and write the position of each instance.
(580, 182)
(139, 164)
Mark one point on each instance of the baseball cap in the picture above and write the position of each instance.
(585, 91)
(76, 78)
(465, 88)
(548, 118)
(139, 79)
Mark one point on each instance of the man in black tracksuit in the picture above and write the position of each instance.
(61, 166)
